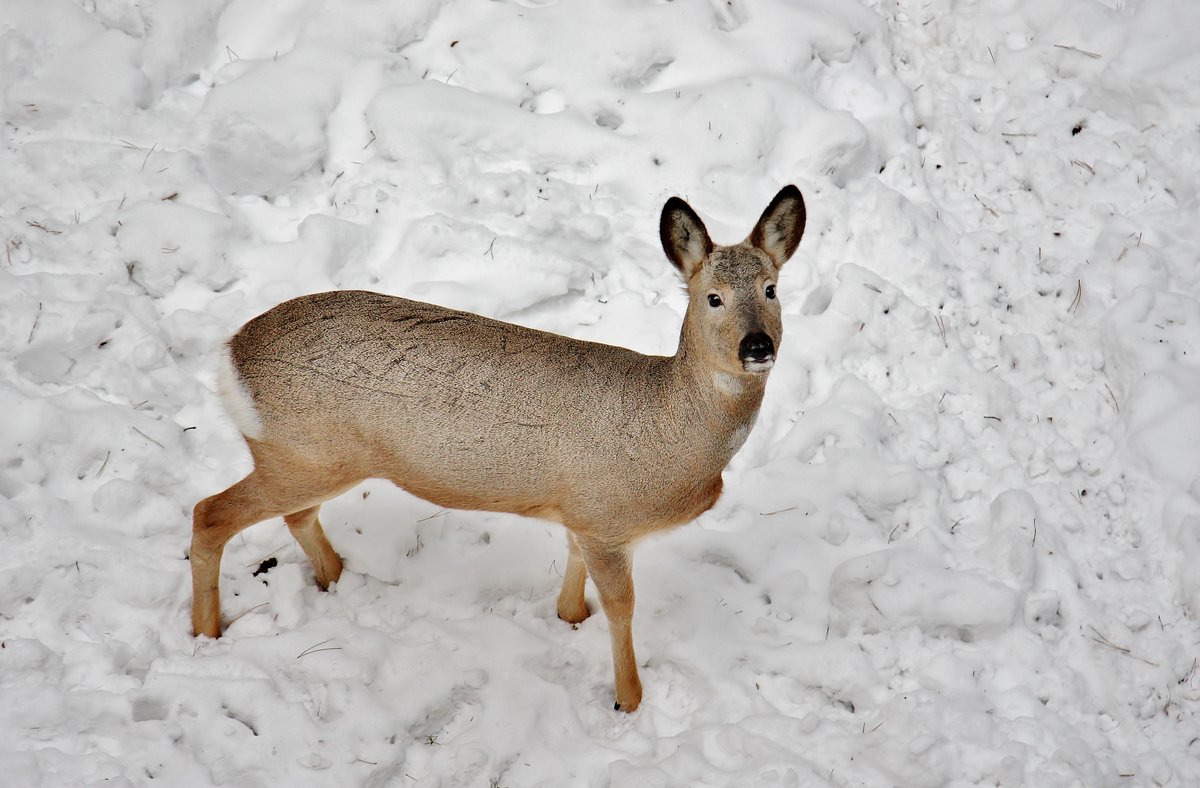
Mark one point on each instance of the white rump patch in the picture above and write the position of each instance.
(236, 398)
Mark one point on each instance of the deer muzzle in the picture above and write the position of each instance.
(756, 352)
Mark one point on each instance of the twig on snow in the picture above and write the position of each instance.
(989, 208)
(1116, 406)
(1187, 677)
(313, 649)
(1102, 640)
(941, 324)
(871, 600)
(104, 464)
(1084, 165)
(149, 153)
(1078, 300)
(147, 437)
(1069, 48)
(33, 329)
(43, 228)
(777, 511)
(268, 555)
(244, 612)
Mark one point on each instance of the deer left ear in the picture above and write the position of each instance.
(778, 231)
(684, 237)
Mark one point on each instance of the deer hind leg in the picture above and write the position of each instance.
(306, 528)
(215, 521)
(571, 607)
(269, 491)
(611, 569)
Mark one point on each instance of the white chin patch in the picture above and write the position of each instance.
(729, 384)
(758, 366)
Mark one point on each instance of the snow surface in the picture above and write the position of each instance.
(960, 548)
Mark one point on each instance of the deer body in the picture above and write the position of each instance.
(473, 413)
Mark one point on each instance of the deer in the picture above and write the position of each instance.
(472, 413)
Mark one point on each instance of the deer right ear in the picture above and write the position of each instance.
(778, 231)
(684, 238)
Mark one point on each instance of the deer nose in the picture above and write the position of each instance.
(756, 347)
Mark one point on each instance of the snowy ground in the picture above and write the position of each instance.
(962, 546)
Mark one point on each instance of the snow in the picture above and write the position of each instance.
(959, 547)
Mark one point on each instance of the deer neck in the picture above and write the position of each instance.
(721, 404)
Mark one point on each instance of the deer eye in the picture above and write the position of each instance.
(714, 300)
(770, 291)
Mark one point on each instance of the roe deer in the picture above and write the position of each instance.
(472, 413)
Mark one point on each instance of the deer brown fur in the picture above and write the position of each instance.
(472, 413)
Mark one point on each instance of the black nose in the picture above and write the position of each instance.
(756, 347)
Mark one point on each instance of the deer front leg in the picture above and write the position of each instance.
(612, 572)
(571, 607)
(306, 528)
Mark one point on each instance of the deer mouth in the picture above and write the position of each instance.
(758, 366)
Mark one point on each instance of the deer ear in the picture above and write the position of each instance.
(778, 231)
(684, 238)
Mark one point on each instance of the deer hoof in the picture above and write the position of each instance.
(574, 615)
